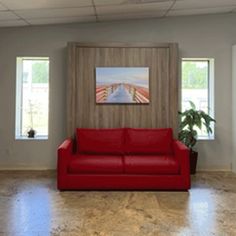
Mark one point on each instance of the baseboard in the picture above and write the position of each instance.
(42, 168)
(214, 170)
(28, 168)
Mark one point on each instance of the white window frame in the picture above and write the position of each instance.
(211, 95)
(18, 108)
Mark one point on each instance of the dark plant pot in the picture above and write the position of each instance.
(193, 161)
(31, 133)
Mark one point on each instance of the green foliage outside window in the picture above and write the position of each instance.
(194, 75)
(40, 72)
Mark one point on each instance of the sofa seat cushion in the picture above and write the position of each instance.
(100, 141)
(96, 164)
(148, 141)
(151, 164)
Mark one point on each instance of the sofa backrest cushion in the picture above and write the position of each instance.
(148, 141)
(100, 141)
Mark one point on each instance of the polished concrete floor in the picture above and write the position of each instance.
(30, 205)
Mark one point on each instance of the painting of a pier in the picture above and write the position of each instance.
(122, 85)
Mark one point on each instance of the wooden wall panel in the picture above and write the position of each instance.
(82, 110)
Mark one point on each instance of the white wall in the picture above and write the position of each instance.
(198, 36)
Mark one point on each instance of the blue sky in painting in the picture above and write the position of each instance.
(132, 75)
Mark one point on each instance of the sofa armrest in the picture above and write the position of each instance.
(66, 147)
(181, 152)
(64, 154)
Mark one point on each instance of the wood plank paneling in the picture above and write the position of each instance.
(82, 110)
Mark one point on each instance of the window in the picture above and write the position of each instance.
(32, 93)
(198, 87)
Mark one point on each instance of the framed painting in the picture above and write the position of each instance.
(123, 85)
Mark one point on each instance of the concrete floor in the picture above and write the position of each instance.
(31, 205)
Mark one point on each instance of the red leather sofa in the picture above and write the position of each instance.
(123, 159)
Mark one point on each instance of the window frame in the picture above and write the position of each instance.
(19, 98)
(210, 88)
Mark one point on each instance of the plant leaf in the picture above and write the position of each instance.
(192, 105)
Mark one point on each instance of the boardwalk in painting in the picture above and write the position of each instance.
(122, 93)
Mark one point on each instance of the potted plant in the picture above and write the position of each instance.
(191, 120)
(32, 110)
(31, 133)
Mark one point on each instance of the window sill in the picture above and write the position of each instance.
(37, 138)
(204, 138)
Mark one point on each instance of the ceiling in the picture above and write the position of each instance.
(41, 12)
